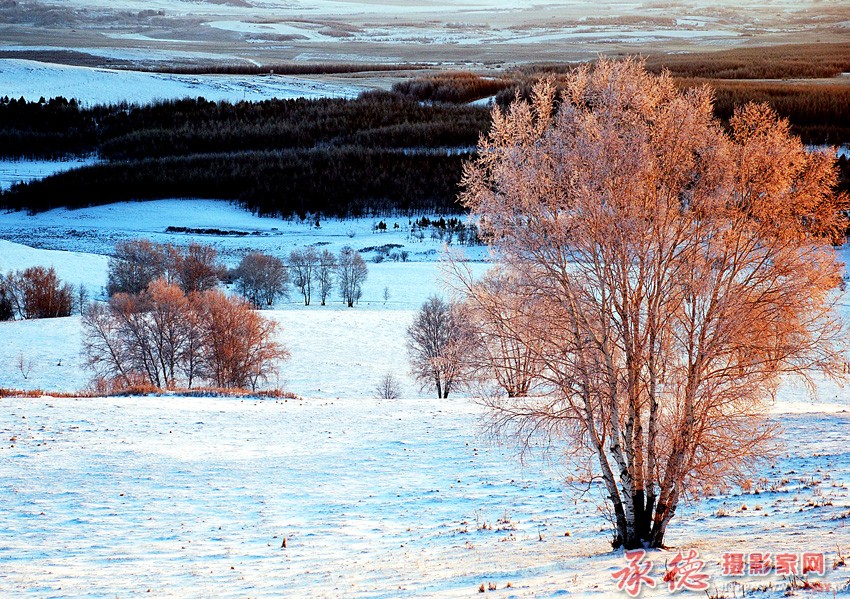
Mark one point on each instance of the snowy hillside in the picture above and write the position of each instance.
(17, 171)
(33, 80)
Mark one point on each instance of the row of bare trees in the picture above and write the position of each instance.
(165, 338)
(261, 278)
(311, 269)
(138, 262)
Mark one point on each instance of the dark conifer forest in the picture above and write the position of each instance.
(401, 150)
(380, 152)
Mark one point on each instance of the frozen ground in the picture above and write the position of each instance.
(194, 496)
(33, 80)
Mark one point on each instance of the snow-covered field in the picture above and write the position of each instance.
(194, 497)
(96, 229)
(410, 497)
(33, 80)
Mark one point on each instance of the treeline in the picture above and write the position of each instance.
(458, 87)
(818, 113)
(347, 181)
(791, 61)
(182, 127)
(788, 61)
(48, 128)
(385, 151)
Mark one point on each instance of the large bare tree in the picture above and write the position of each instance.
(679, 272)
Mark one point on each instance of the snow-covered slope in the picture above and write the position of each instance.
(76, 268)
(409, 497)
(32, 80)
(16, 171)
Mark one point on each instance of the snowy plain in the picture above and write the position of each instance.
(193, 496)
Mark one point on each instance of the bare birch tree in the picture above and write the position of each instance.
(261, 279)
(304, 265)
(136, 263)
(351, 273)
(439, 342)
(197, 268)
(325, 273)
(679, 271)
(241, 350)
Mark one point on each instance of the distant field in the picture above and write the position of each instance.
(492, 33)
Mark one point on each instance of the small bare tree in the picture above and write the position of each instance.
(351, 273)
(388, 387)
(135, 264)
(261, 279)
(439, 342)
(679, 273)
(82, 299)
(303, 265)
(24, 365)
(197, 268)
(325, 273)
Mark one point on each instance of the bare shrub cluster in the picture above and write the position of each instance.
(35, 292)
(456, 87)
(166, 339)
